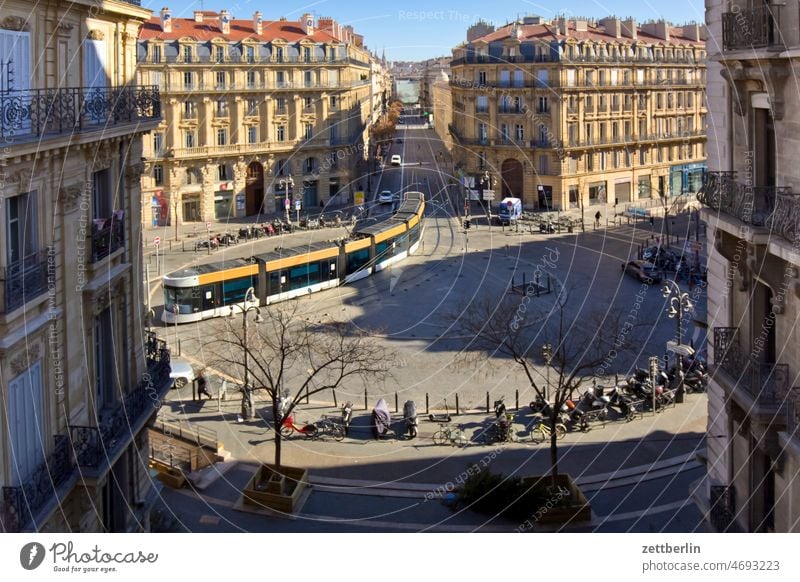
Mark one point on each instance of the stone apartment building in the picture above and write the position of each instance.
(753, 216)
(257, 114)
(573, 113)
(79, 376)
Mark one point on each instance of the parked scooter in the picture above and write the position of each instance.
(500, 407)
(410, 418)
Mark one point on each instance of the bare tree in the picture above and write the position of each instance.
(286, 355)
(517, 327)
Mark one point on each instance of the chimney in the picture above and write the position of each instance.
(258, 22)
(692, 32)
(629, 28)
(224, 21)
(560, 25)
(198, 16)
(581, 26)
(659, 29)
(612, 26)
(308, 23)
(166, 20)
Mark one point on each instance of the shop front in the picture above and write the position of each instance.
(223, 205)
(686, 178)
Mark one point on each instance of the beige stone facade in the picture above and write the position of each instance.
(256, 113)
(753, 457)
(576, 114)
(78, 379)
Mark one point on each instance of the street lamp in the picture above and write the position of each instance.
(547, 354)
(247, 397)
(679, 303)
(490, 182)
(287, 184)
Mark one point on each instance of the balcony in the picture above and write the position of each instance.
(46, 486)
(23, 281)
(95, 445)
(34, 114)
(750, 29)
(108, 235)
(765, 383)
(773, 207)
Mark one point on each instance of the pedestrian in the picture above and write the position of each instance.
(202, 386)
(597, 218)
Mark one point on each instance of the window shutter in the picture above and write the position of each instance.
(94, 64)
(25, 423)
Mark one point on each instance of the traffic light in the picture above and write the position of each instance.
(466, 224)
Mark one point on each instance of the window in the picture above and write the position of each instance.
(505, 78)
(158, 174)
(193, 176)
(543, 139)
(659, 101)
(280, 133)
(102, 194)
(308, 79)
(544, 105)
(603, 160)
(219, 54)
(222, 172)
(251, 79)
(307, 54)
(310, 165)
(690, 99)
(543, 165)
(542, 78)
(481, 77)
(482, 160)
(334, 102)
(519, 132)
(589, 101)
(23, 238)
(104, 359)
(308, 130)
(220, 76)
(157, 79)
(280, 79)
(589, 162)
(221, 108)
(252, 134)
(188, 139)
(188, 80)
(280, 105)
(642, 156)
(482, 104)
(25, 423)
(483, 132)
(187, 53)
(252, 107)
(250, 54)
(308, 103)
(189, 110)
(603, 105)
(222, 136)
(518, 79)
(158, 143)
(279, 54)
(572, 165)
(155, 53)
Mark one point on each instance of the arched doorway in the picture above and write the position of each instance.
(254, 189)
(511, 172)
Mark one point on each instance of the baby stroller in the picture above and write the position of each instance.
(381, 419)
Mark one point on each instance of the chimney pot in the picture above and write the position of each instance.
(198, 16)
(225, 21)
(257, 22)
(166, 20)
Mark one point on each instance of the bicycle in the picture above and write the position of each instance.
(541, 432)
(450, 435)
(327, 427)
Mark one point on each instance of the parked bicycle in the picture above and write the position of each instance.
(448, 434)
(541, 431)
(323, 427)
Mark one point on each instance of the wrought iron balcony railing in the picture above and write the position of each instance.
(774, 207)
(94, 444)
(108, 235)
(751, 28)
(37, 113)
(23, 281)
(22, 502)
(766, 382)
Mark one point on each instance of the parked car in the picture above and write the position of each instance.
(396, 160)
(642, 271)
(181, 372)
(385, 197)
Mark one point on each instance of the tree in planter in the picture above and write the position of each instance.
(517, 327)
(285, 354)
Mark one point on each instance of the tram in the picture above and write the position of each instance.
(208, 291)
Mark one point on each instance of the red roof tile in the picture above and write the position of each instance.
(289, 30)
(597, 33)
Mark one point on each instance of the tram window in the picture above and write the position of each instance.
(276, 281)
(380, 251)
(303, 276)
(413, 234)
(233, 291)
(356, 260)
(187, 298)
(401, 243)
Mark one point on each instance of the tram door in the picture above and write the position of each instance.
(209, 297)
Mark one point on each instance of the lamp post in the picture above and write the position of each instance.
(247, 397)
(678, 304)
(547, 354)
(487, 181)
(287, 184)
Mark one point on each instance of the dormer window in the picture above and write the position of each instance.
(250, 54)
(279, 54)
(187, 53)
(307, 54)
(219, 54)
(155, 53)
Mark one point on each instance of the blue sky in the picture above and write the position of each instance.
(419, 29)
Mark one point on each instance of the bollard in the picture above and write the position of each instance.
(488, 410)
(179, 346)
(457, 408)
(427, 404)
(366, 406)
(335, 404)
(523, 280)
(194, 389)
(395, 403)
(516, 399)
(306, 394)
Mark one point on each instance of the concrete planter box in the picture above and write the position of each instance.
(569, 502)
(278, 489)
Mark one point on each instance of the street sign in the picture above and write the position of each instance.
(157, 241)
(297, 204)
(488, 194)
(286, 203)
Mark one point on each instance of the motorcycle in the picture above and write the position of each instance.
(228, 239)
(500, 407)
(410, 418)
(381, 419)
(347, 416)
